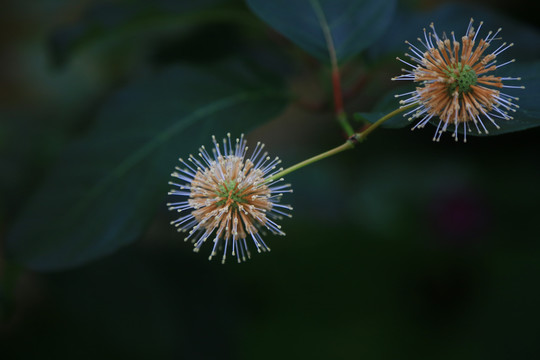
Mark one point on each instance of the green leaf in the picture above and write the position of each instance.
(353, 25)
(133, 26)
(408, 25)
(108, 185)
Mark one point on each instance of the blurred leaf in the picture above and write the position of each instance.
(106, 186)
(352, 24)
(132, 24)
(408, 25)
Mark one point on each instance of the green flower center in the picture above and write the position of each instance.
(229, 191)
(464, 77)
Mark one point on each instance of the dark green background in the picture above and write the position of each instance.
(400, 249)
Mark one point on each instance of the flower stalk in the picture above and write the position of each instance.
(341, 115)
(349, 144)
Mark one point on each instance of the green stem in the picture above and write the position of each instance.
(361, 136)
(345, 125)
(349, 144)
(341, 115)
(346, 146)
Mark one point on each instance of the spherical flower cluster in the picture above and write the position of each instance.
(454, 86)
(230, 197)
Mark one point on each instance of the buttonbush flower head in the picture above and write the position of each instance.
(455, 84)
(229, 197)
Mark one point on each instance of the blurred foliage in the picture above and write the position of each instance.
(399, 249)
(353, 25)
